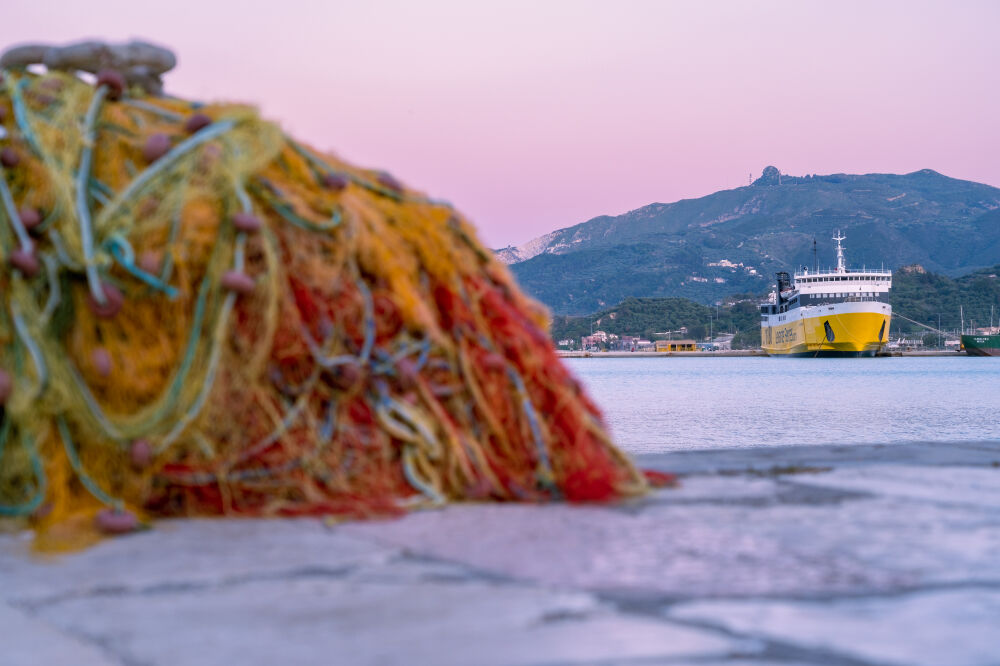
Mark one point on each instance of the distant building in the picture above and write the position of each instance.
(723, 342)
(904, 344)
(676, 345)
(595, 340)
(629, 343)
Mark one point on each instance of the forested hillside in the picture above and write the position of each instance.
(734, 240)
(916, 294)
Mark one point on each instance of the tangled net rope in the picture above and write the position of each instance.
(201, 316)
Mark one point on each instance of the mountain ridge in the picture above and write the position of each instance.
(917, 294)
(733, 240)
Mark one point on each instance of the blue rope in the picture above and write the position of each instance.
(152, 108)
(36, 353)
(179, 151)
(168, 258)
(328, 362)
(173, 391)
(53, 215)
(425, 352)
(544, 464)
(411, 477)
(21, 116)
(329, 422)
(101, 187)
(13, 216)
(82, 206)
(99, 196)
(288, 214)
(27, 507)
(369, 343)
(394, 412)
(202, 397)
(325, 168)
(55, 294)
(123, 253)
(74, 461)
(367, 346)
(61, 252)
(387, 362)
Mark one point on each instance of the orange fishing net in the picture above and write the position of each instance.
(201, 316)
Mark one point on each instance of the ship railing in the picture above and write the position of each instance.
(849, 271)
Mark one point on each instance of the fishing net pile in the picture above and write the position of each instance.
(201, 316)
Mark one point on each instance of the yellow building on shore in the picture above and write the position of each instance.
(676, 346)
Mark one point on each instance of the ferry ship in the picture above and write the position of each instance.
(983, 343)
(837, 312)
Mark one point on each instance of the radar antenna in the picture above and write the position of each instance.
(840, 252)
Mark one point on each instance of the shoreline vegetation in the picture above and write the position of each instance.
(734, 353)
(937, 301)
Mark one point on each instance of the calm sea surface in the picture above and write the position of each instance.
(662, 404)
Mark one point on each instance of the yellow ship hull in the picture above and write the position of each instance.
(828, 333)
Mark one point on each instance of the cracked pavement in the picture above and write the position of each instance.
(791, 556)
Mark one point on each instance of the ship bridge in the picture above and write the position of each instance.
(845, 283)
(842, 284)
(822, 287)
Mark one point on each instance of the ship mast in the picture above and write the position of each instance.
(840, 252)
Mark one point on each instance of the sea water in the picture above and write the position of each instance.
(671, 403)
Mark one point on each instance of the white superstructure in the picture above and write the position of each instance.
(838, 311)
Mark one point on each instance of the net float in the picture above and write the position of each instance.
(150, 262)
(335, 181)
(387, 180)
(6, 386)
(25, 261)
(9, 157)
(195, 122)
(140, 453)
(116, 521)
(246, 222)
(156, 146)
(113, 301)
(238, 282)
(30, 217)
(113, 80)
(101, 360)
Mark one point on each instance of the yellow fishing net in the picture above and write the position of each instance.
(201, 316)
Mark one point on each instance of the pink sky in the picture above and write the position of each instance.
(531, 116)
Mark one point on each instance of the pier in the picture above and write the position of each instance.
(811, 555)
(737, 353)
